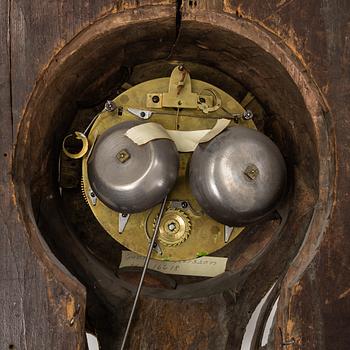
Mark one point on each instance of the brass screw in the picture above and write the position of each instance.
(123, 156)
(251, 172)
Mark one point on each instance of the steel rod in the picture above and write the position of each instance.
(148, 257)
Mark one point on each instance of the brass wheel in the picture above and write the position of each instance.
(175, 227)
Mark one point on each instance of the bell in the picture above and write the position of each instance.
(239, 177)
(129, 178)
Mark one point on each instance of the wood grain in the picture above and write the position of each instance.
(43, 305)
(37, 293)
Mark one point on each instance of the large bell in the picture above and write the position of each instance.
(238, 177)
(130, 178)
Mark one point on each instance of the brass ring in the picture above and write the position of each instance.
(84, 149)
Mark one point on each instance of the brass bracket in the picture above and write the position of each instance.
(180, 94)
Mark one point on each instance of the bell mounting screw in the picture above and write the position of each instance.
(123, 156)
(110, 106)
(247, 115)
(251, 172)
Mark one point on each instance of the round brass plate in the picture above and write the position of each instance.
(198, 236)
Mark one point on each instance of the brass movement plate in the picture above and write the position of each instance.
(196, 233)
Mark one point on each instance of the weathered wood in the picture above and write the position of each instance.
(43, 305)
(39, 29)
(314, 309)
(103, 316)
(39, 295)
(315, 303)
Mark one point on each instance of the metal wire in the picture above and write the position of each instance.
(149, 253)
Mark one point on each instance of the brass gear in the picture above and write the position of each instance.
(174, 228)
(83, 191)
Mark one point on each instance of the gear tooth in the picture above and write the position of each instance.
(83, 191)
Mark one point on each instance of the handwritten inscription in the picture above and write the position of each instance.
(205, 266)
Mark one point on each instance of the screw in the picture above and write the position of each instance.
(202, 100)
(124, 215)
(92, 194)
(288, 342)
(251, 172)
(123, 156)
(155, 99)
(142, 114)
(172, 226)
(110, 106)
(247, 115)
(184, 205)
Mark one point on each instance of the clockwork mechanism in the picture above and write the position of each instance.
(189, 142)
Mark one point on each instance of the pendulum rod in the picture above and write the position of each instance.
(149, 253)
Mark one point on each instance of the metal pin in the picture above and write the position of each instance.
(148, 257)
(288, 342)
